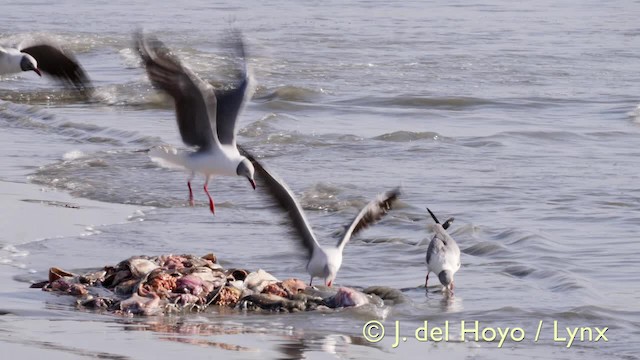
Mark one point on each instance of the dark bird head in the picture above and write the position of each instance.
(28, 63)
(446, 223)
(245, 168)
(446, 277)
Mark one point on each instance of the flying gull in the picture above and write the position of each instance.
(206, 118)
(44, 57)
(443, 254)
(323, 262)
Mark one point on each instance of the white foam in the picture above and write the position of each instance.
(73, 155)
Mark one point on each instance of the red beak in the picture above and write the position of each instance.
(37, 71)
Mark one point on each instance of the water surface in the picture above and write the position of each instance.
(519, 120)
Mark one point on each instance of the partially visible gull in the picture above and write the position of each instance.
(44, 57)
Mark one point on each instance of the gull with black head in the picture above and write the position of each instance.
(443, 254)
(46, 57)
(206, 118)
(323, 262)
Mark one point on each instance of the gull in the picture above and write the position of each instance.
(323, 262)
(206, 118)
(443, 254)
(44, 57)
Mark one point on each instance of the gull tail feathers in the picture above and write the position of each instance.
(167, 156)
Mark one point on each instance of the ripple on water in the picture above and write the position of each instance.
(411, 101)
(409, 136)
(485, 248)
(111, 176)
(322, 196)
(519, 271)
(34, 118)
(289, 93)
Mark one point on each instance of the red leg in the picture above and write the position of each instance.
(191, 202)
(206, 190)
(329, 283)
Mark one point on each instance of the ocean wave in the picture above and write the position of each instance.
(105, 176)
(76, 42)
(518, 270)
(42, 96)
(540, 135)
(289, 93)
(411, 101)
(408, 136)
(33, 118)
(322, 196)
(485, 248)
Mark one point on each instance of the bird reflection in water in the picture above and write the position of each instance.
(291, 344)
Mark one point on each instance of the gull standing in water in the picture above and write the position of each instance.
(44, 57)
(206, 118)
(443, 254)
(323, 262)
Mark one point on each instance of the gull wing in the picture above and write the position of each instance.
(195, 99)
(231, 101)
(60, 64)
(370, 214)
(285, 198)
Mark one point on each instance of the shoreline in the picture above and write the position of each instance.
(32, 212)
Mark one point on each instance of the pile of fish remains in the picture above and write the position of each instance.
(153, 285)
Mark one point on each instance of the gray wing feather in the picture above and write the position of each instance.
(195, 100)
(284, 197)
(370, 214)
(439, 243)
(231, 101)
(431, 248)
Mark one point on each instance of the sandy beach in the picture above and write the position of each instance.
(31, 213)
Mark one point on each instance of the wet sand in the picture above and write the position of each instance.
(31, 213)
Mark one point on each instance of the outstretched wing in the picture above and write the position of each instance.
(370, 214)
(231, 101)
(284, 197)
(194, 98)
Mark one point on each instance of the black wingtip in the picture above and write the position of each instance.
(390, 197)
(138, 42)
(148, 46)
(234, 41)
(144, 44)
(395, 193)
(137, 34)
(433, 216)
